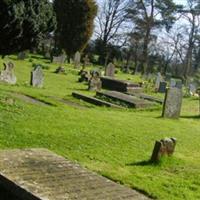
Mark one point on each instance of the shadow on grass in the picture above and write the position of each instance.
(142, 163)
(191, 117)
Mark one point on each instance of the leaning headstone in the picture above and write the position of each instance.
(110, 70)
(162, 87)
(37, 77)
(173, 102)
(59, 59)
(7, 75)
(164, 147)
(77, 59)
(95, 81)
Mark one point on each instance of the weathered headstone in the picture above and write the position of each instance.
(164, 147)
(173, 102)
(95, 81)
(176, 83)
(192, 89)
(84, 75)
(21, 56)
(60, 70)
(159, 79)
(110, 70)
(86, 61)
(77, 59)
(37, 77)
(59, 59)
(162, 87)
(7, 75)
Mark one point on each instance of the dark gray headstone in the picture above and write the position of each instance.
(162, 87)
(37, 77)
(21, 56)
(164, 147)
(7, 75)
(110, 70)
(173, 103)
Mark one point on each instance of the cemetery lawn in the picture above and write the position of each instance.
(115, 143)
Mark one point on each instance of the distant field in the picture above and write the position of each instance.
(114, 143)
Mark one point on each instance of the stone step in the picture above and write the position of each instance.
(38, 174)
(119, 85)
(129, 100)
(94, 100)
(147, 97)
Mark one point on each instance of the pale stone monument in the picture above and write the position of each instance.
(159, 79)
(95, 81)
(7, 75)
(110, 70)
(77, 59)
(37, 77)
(173, 102)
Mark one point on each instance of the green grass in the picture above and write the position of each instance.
(115, 143)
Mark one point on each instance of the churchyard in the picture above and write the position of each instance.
(113, 137)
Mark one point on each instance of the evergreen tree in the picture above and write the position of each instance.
(23, 23)
(75, 22)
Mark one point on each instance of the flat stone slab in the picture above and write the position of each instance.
(38, 174)
(94, 100)
(130, 100)
(148, 97)
(119, 85)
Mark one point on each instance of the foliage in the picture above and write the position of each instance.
(23, 23)
(74, 23)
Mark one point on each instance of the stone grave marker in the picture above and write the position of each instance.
(162, 87)
(110, 70)
(7, 75)
(173, 102)
(77, 59)
(37, 77)
(21, 56)
(192, 89)
(176, 83)
(159, 79)
(164, 147)
(59, 59)
(60, 70)
(95, 81)
(86, 61)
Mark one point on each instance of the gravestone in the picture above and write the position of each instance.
(21, 56)
(164, 147)
(84, 75)
(77, 59)
(110, 70)
(7, 75)
(176, 83)
(37, 77)
(86, 61)
(173, 102)
(162, 87)
(192, 89)
(159, 79)
(95, 81)
(60, 70)
(59, 59)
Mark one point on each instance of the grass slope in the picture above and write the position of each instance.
(114, 143)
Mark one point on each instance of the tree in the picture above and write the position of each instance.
(23, 23)
(110, 25)
(147, 15)
(74, 24)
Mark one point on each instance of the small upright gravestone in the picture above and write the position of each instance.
(159, 79)
(164, 147)
(21, 56)
(86, 61)
(59, 59)
(176, 83)
(162, 87)
(110, 70)
(77, 59)
(95, 81)
(37, 77)
(172, 104)
(7, 75)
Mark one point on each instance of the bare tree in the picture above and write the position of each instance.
(110, 24)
